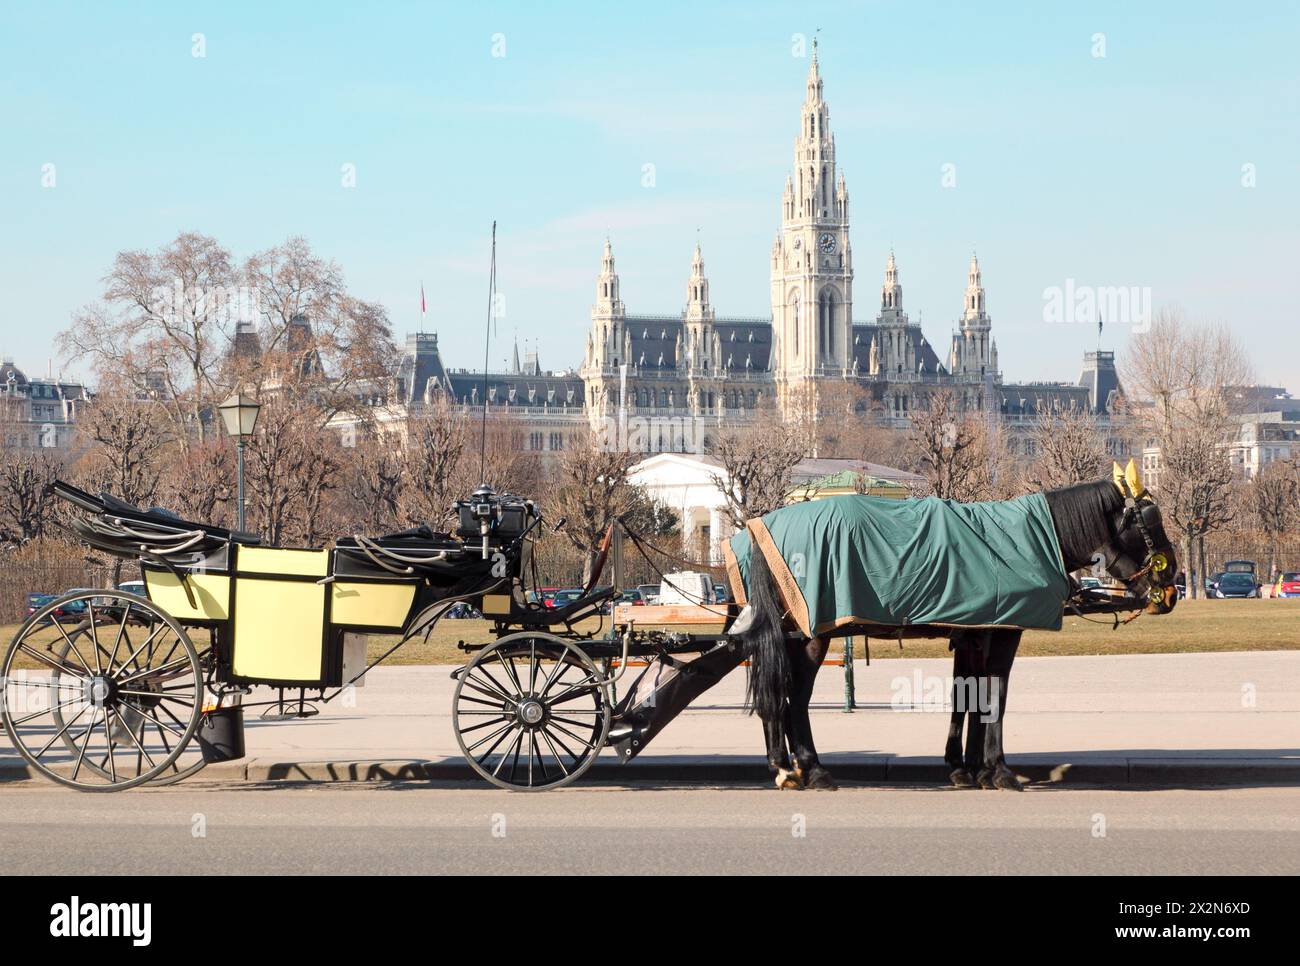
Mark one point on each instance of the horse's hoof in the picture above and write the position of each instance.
(985, 779)
(961, 778)
(1005, 779)
(819, 779)
(788, 780)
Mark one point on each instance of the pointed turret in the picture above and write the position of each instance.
(699, 317)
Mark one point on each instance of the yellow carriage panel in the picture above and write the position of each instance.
(287, 563)
(358, 604)
(211, 595)
(279, 629)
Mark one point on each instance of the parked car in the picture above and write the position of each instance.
(36, 601)
(1090, 583)
(720, 594)
(632, 597)
(1236, 585)
(563, 598)
(547, 595)
(1288, 585)
(649, 593)
(134, 587)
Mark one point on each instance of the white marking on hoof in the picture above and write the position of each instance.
(787, 779)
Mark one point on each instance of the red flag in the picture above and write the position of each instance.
(421, 298)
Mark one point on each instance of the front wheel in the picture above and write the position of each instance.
(108, 703)
(531, 712)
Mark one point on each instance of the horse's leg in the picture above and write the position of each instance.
(778, 755)
(976, 679)
(806, 662)
(958, 773)
(1002, 654)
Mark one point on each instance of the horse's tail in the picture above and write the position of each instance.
(763, 643)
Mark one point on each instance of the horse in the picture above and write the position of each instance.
(784, 628)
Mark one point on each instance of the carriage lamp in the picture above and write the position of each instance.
(239, 413)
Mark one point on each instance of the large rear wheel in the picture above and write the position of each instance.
(102, 691)
(531, 712)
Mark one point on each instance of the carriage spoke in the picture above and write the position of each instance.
(558, 760)
(519, 740)
(482, 741)
(63, 731)
(86, 744)
(108, 741)
(477, 686)
(50, 710)
(84, 665)
(510, 670)
(136, 653)
(484, 724)
(131, 734)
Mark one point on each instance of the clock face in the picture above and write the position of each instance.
(827, 243)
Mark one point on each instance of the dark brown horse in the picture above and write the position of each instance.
(1110, 524)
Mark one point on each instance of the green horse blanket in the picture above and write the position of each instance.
(893, 563)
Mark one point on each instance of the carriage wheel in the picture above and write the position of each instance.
(108, 703)
(188, 763)
(531, 712)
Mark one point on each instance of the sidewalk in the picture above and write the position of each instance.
(1227, 718)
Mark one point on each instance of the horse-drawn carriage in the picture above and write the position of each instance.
(149, 689)
(161, 692)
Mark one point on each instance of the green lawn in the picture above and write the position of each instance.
(1198, 625)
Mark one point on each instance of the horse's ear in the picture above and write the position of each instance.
(1134, 480)
(1117, 475)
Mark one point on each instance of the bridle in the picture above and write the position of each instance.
(1156, 560)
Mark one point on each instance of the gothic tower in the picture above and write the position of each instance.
(895, 351)
(974, 352)
(607, 341)
(812, 266)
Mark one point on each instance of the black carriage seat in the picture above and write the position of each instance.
(418, 552)
(161, 515)
(121, 528)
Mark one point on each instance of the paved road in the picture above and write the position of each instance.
(420, 828)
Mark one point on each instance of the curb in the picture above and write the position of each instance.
(752, 771)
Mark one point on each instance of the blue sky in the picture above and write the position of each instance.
(1122, 170)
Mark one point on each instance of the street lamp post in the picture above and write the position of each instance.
(239, 413)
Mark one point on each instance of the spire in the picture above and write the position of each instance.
(607, 300)
(697, 291)
(514, 365)
(814, 78)
(891, 293)
(973, 311)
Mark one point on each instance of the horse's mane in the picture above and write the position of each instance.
(1082, 513)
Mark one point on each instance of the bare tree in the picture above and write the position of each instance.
(1273, 498)
(377, 481)
(128, 440)
(757, 472)
(1069, 447)
(162, 325)
(199, 483)
(591, 490)
(26, 493)
(314, 338)
(1183, 377)
(435, 472)
(954, 451)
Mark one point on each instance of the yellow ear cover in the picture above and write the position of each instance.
(1134, 480)
(1117, 474)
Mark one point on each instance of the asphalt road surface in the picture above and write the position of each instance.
(206, 828)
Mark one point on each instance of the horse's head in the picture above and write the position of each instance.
(1138, 552)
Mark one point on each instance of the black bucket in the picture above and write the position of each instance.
(221, 734)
